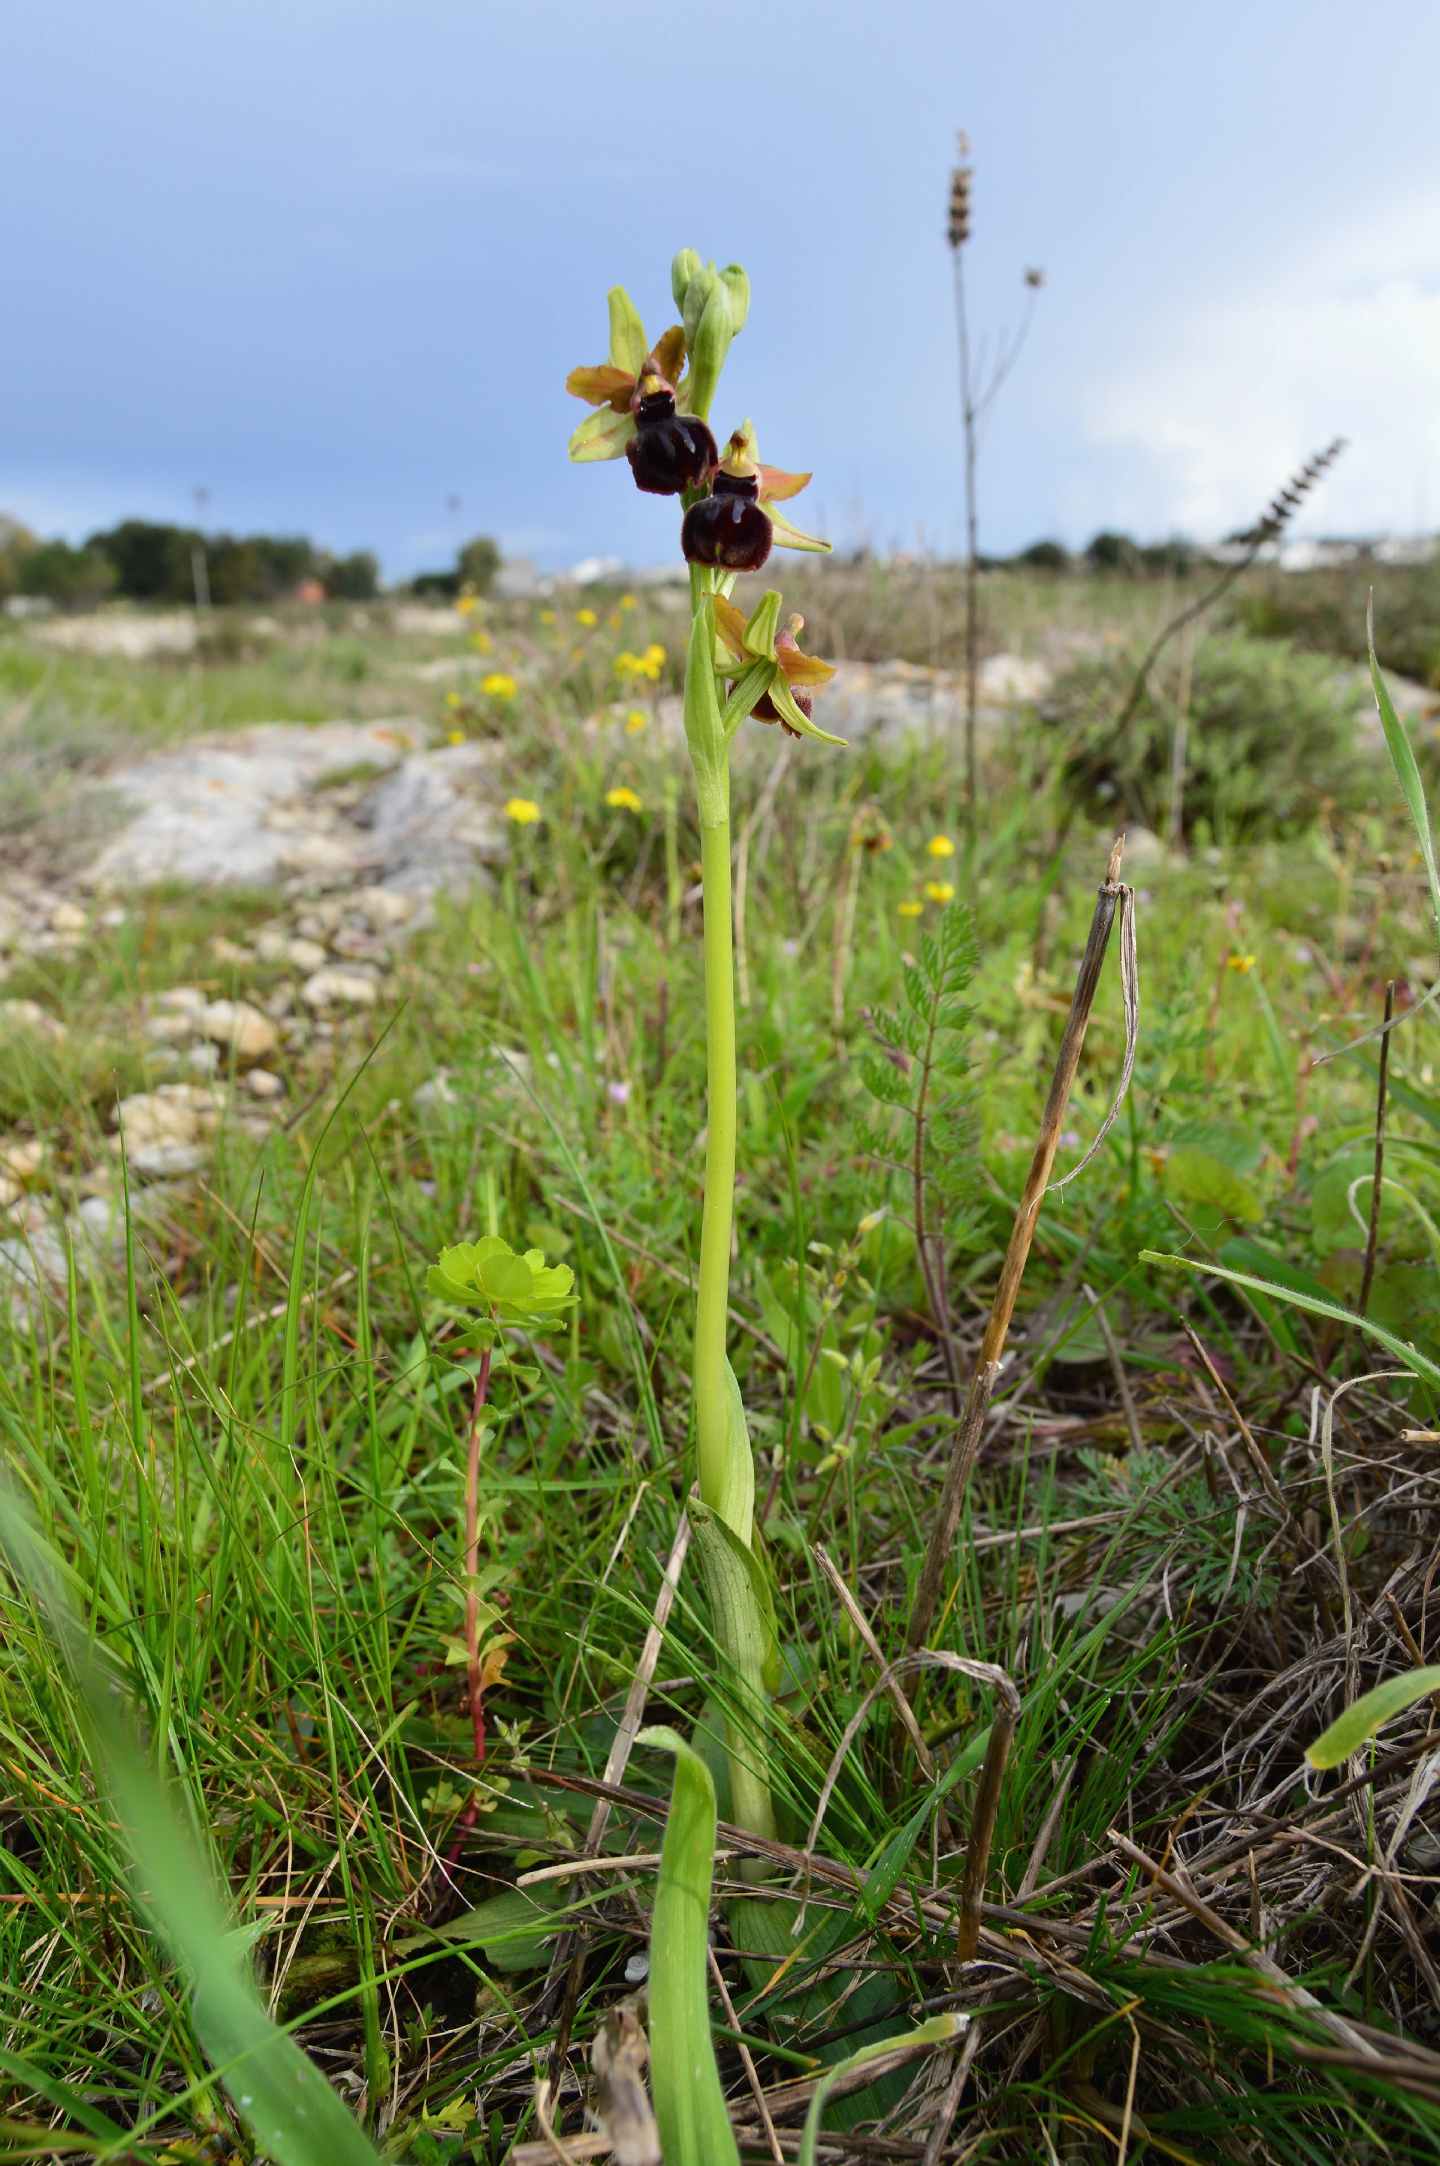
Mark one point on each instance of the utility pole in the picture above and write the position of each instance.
(199, 564)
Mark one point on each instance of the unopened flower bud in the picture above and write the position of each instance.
(686, 267)
(737, 284)
(709, 342)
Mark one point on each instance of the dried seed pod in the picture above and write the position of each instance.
(958, 229)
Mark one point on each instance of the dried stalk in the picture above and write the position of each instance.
(1022, 1233)
(992, 1772)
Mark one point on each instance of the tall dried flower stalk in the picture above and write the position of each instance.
(1113, 899)
(1267, 528)
(981, 376)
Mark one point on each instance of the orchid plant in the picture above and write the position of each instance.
(653, 408)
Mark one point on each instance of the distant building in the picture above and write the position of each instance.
(1331, 552)
(518, 580)
(592, 571)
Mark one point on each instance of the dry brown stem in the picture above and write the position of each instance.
(1012, 1271)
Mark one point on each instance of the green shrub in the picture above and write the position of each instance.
(1270, 734)
(355, 578)
(71, 578)
(1325, 611)
(478, 563)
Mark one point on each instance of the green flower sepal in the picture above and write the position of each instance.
(777, 683)
(773, 485)
(507, 1288)
(613, 386)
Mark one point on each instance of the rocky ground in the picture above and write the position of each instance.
(354, 826)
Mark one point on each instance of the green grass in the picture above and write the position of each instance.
(250, 1458)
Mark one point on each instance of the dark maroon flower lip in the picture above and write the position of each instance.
(727, 529)
(669, 452)
(765, 709)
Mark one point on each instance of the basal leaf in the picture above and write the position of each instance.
(689, 2103)
(1360, 1721)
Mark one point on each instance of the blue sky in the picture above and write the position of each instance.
(332, 258)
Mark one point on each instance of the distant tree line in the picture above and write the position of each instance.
(145, 560)
(476, 566)
(1110, 552)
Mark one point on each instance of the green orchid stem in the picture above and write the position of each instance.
(726, 1472)
(712, 1413)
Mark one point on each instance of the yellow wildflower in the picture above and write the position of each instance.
(939, 846)
(1241, 963)
(912, 909)
(522, 810)
(627, 601)
(481, 642)
(465, 605)
(622, 799)
(649, 664)
(635, 721)
(453, 699)
(614, 621)
(941, 891)
(498, 685)
(456, 737)
(547, 616)
(587, 617)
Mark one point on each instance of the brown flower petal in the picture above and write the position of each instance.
(602, 386)
(776, 485)
(669, 354)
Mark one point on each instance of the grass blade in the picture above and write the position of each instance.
(1359, 1722)
(1402, 756)
(278, 2092)
(689, 2103)
(937, 2032)
(1393, 1344)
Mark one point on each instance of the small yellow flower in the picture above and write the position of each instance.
(627, 601)
(635, 721)
(587, 617)
(456, 737)
(466, 605)
(1242, 963)
(498, 685)
(453, 699)
(614, 621)
(649, 664)
(912, 909)
(622, 799)
(548, 616)
(940, 891)
(522, 810)
(481, 642)
(939, 846)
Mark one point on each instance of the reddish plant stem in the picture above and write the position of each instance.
(472, 1601)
